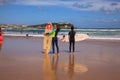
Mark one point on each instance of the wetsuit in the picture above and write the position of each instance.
(72, 40)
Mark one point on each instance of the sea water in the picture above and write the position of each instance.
(93, 33)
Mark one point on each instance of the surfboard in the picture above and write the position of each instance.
(78, 37)
(47, 38)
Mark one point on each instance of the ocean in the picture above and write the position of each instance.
(93, 33)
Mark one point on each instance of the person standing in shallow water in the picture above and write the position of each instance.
(71, 35)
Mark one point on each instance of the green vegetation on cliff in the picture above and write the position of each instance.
(61, 25)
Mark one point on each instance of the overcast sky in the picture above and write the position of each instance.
(81, 13)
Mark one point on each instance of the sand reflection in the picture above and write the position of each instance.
(47, 67)
(1, 42)
(54, 66)
(50, 68)
(71, 68)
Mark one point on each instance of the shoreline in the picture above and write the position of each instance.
(41, 36)
(21, 58)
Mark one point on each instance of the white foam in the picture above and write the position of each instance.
(25, 35)
(101, 38)
(41, 35)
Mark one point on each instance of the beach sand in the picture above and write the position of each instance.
(22, 58)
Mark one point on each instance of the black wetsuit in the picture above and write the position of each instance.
(71, 40)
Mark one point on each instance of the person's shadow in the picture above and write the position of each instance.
(54, 66)
(71, 65)
(50, 66)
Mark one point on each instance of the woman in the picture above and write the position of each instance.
(55, 39)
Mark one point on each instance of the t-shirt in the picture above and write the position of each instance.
(53, 32)
(71, 35)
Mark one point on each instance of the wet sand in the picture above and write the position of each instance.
(22, 58)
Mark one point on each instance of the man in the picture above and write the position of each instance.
(72, 39)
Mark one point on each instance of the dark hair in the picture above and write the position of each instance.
(63, 35)
(57, 30)
(72, 27)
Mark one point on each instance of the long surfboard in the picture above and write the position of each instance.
(78, 37)
(48, 37)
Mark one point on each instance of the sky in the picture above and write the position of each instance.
(81, 13)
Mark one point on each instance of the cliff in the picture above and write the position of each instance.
(62, 25)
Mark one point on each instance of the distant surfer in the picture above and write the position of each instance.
(71, 35)
(27, 35)
(62, 38)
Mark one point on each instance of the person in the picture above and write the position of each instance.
(71, 35)
(71, 66)
(27, 35)
(1, 32)
(62, 38)
(54, 67)
(54, 33)
(47, 37)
